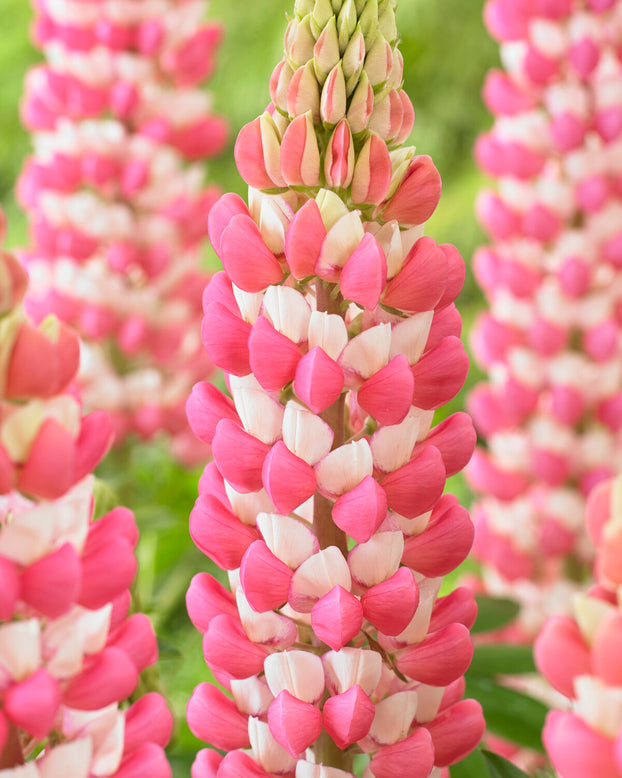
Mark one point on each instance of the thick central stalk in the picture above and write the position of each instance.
(325, 529)
(11, 755)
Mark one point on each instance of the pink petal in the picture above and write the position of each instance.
(456, 732)
(251, 149)
(264, 578)
(206, 764)
(49, 469)
(561, 654)
(503, 95)
(215, 719)
(413, 757)
(319, 380)
(455, 275)
(421, 282)
(417, 195)
(272, 630)
(267, 751)
(487, 477)
(245, 257)
(445, 322)
(372, 172)
(294, 724)
(205, 407)
(303, 92)
(304, 239)
(379, 602)
(147, 720)
(107, 677)
(221, 213)
(440, 658)
(360, 511)
(575, 749)
(455, 439)
(225, 337)
(239, 456)
(95, 438)
(32, 704)
(273, 357)
(364, 275)
(300, 156)
(137, 639)
(388, 394)
(238, 764)
(9, 588)
(458, 606)
(347, 717)
(417, 485)
(444, 543)
(288, 480)
(337, 617)
(219, 533)
(51, 585)
(316, 577)
(226, 647)
(149, 759)
(206, 598)
(339, 156)
(98, 586)
(440, 374)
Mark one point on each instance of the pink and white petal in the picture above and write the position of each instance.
(410, 336)
(252, 695)
(261, 416)
(341, 240)
(368, 352)
(316, 576)
(270, 754)
(394, 718)
(289, 539)
(305, 434)
(344, 468)
(328, 331)
(298, 672)
(392, 446)
(352, 667)
(269, 629)
(288, 311)
(416, 486)
(377, 560)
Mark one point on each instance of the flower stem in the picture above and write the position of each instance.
(11, 754)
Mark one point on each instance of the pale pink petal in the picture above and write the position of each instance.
(316, 576)
(328, 331)
(392, 446)
(409, 337)
(305, 434)
(368, 352)
(376, 560)
(270, 755)
(270, 629)
(344, 468)
(288, 311)
(341, 240)
(394, 718)
(251, 695)
(289, 539)
(351, 667)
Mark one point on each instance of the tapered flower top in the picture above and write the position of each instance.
(69, 653)
(335, 325)
(117, 198)
(551, 343)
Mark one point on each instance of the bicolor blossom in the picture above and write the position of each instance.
(579, 655)
(117, 200)
(549, 411)
(334, 322)
(69, 652)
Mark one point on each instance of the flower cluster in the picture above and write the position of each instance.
(69, 653)
(550, 410)
(335, 325)
(580, 656)
(117, 199)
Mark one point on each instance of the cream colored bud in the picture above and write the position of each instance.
(322, 13)
(326, 52)
(299, 41)
(368, 19)
(346, 24)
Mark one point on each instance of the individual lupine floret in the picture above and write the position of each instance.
(118, 202)
(579, 656)
(549, 411)
(335, 324)
(69, 652)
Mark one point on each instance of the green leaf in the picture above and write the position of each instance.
(509, 714)
(502, 659)
(494, 613)
(498, 767)
(474, 766)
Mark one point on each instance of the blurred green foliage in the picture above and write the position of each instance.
(446, 53)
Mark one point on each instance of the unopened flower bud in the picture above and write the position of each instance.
(303, 93)
(326, 51)
(320, 16)
(346, 24)
(339, 159)
(279, 84)
(333, 100)
(379, 61)
(299, 41)
(361, 105)
(368, 19)
(353, 60)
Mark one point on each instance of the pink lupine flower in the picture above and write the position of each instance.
(550, 341)
(579, 656)
(69, 653)
(335, 324)
(117, 200)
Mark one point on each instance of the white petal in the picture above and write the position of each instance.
(305, 434)
(289, 312)
(287, 538)
(368, 352)
(328, 331)
(298, 672)
(344, 468)
(377, 560)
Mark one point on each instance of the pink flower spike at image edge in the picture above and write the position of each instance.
(335, 324)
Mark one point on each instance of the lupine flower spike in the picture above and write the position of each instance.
(580, 655)
(117, 200)
(550, 411)
(69, 652)
(335, 325)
